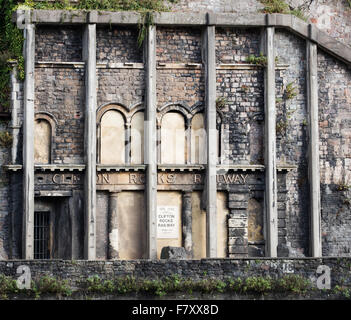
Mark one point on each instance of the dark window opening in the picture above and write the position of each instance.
(41, 235)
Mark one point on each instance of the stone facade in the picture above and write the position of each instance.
(181, 78)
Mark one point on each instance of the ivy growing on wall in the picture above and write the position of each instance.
(11, 46)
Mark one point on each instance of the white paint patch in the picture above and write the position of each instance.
(113, 236)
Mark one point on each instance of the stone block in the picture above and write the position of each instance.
(237, 223)
(237, 232)
(237, 205)
(238, 249)
(173, 253)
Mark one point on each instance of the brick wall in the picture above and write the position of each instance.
(292, 137)
(335, 153)
(60, 91)
(117, 44)
(61, 44)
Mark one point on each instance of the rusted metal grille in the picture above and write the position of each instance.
(41, 235)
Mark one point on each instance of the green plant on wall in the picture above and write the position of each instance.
(290, 91)
(260, 60)
(11, 46)
(280, 6)
(5, 139)
(11, 38)
(221, 102)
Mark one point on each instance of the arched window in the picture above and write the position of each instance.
(198, 139)
(137, 138)
(112, 149)
(42, 141)
(173, 139)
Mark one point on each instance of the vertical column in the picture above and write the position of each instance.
(15, 108)
(113, 226)
(189, 159)
(150, 143)
(28, 145)
(128, 144)
(187, 223)
(211, 169)
(89, 56)
(270, 148)
(313, 150)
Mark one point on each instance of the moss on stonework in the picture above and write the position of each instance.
(254, 285)
(280, 6)
(106, 5)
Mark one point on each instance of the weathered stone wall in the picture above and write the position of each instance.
(184, 85)
(129, 91)
(4, 197)
(335, 153)
(235, 45)
(292, 135)
(176, 45)
(117, 44)
(242, 91)
(242, 94)
(76, 271)
(60, 92)
(61, 44)
(331, 16)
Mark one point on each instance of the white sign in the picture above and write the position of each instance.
(167, 222)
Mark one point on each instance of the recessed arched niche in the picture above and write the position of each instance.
(42, 141)
(198, 139)
(112, 138)
(173, 138)
(137, 138)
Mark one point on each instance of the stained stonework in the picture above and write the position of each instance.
(60, 92)
(173, 88)
(117, 44)
(58, 44)
(335, 124)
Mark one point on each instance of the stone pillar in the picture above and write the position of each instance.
(270, 148)
(150, 144)
(187, 223)
(158, 146)
(28, 145)
(189, 159)
(15, 109)
(209, 50)
(313, 150)
(89, 56)
(128, 144)
(113, 226)
(238, 223)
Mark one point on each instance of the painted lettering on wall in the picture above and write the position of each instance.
(125, 178)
